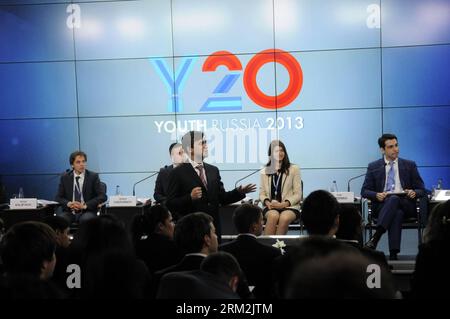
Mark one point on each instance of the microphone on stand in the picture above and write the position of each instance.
(134, 185)
(246, 176)
(361, 175)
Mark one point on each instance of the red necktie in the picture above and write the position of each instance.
(202, 174)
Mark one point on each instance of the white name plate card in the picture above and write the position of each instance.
(122, 201)
(344, 197)
(23, 203)
(442, 195)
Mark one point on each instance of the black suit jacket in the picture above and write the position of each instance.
(181, 182)
(162, 184)
(93, 192)
(256, 261)
(195, 284)
(191, 262)
(158, 252)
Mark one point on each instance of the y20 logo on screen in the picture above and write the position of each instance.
(216, 102)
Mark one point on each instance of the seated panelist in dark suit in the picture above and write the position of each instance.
(162, 181)
(80, 191)
(255, 259)
(195, 186)
(385, 178)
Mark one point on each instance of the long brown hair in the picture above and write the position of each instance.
(285, 163)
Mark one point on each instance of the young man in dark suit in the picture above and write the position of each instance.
(162, 181)
(195, 186)
(254, 258)
(393, 184)
(80, 191)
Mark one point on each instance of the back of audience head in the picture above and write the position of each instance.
(156, 220)
(350, 223)
(61, 227)
(320, 213)
(248, 219)
(29, 248)
(195, 233)
(340, 275)
(438, 228)
(99, 235)
(224, 266)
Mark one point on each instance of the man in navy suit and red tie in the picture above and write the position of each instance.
(393, 184)
(80, 191)
(195, 186)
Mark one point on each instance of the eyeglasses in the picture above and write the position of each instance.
(204, 142)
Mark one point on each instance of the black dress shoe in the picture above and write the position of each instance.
(373, 242)
(393, 255)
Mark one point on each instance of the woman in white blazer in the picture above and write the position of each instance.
(280, 190)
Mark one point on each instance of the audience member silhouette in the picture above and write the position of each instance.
(430, 278)
(60, 226)
(350, 231)
(27, 251)
(340, 274)
(254, 258)
(218, 278)
(104, 251)
(152, 234)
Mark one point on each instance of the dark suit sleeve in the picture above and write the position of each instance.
(368, 188)
(100, 193)
(60, 196)
(159, 194)
(177, 201)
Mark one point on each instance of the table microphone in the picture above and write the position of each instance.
(361, 175)
(134, 185)
(246, 176)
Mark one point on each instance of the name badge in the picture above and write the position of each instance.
(122, 201)
(23, 203)
(344, 197)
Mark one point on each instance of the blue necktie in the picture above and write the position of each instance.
(390, 182)
(77, 190)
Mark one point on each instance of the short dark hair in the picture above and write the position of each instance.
(26, 246)
(319, 211)
(245, 216)
(438, 227)
(189, 138)
(387, 136)
(221, 264)
(101, 235)
(190, 231)
(349, 223)
(57, 223)
(172, 146)
(75, 154)
(339, 275)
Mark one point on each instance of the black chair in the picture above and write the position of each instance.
(416, 222)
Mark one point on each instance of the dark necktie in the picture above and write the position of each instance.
(77, 189)
(201, 174)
